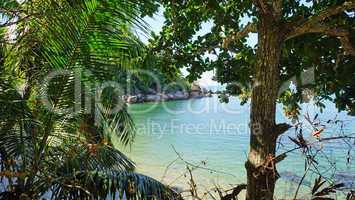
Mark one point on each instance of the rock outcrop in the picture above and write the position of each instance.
(132, 99)
(196, 92)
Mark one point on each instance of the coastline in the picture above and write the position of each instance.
(159, 97)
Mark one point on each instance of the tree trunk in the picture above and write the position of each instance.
(261, 171)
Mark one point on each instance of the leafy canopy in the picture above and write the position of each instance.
(319, 37)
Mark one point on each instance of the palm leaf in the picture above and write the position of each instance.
(97, 185)
(75, 154)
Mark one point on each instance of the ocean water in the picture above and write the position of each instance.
(214, 136)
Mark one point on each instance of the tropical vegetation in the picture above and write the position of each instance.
(309, 42)
(63, 64)
(55, 141)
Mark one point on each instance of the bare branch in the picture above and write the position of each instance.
(249, 28)
(235, 192)
(198, 166)
(284, 154)
(281, 128)
(167, 168)
(193, 186)
(300, 183)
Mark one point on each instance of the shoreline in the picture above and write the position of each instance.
(162, 97)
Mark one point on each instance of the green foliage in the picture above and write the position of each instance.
(156, 71)
(60, 152)
(235, 59)
(319, 192)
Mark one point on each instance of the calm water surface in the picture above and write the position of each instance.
(216, 136)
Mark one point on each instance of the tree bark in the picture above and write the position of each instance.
(260, 166)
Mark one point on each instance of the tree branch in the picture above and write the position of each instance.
(15, 14)
(346, 43)
(281, 128)
(265, 7)
(9, 11)
(235, 192)
(277, 8)
(314, 25)
(262, 5)
(10, 23)
(304, 26)
(341, 33)
(250, 27)
(269, 8)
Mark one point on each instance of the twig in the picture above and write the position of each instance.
(167, 168)
(193, 188)
(198, 166)
(300, 183)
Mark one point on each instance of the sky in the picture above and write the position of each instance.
(156, 23)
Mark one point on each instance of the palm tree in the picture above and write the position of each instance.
(47, 148)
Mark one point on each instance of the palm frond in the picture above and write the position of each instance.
(16, 122)
(97, 185)
(88, 35)
(72, 148)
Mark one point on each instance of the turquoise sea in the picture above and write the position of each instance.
(215, 136)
